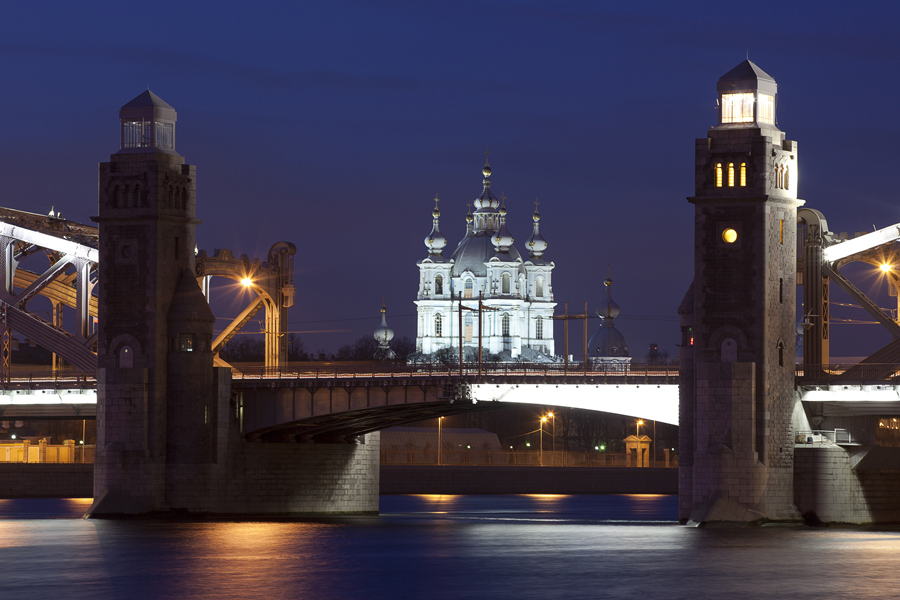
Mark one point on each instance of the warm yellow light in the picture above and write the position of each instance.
(550, 415)
(729, 236)
(886, 268)
(640, 422)
(246, 282)
(543, 419)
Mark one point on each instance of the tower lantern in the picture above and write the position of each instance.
(148, 125)
(747, 96)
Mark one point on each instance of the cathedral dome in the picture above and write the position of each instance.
(474, 251)
(607, 342)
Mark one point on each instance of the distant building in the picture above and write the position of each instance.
(607, 348)
(517, 293)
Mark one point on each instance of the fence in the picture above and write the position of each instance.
(392, 456)
(27, 451)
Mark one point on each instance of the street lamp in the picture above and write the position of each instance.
(553, 420)
(440, 419)
(543, 420)
(639, 423)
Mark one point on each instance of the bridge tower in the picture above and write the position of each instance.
(155, 368)
(739, 317)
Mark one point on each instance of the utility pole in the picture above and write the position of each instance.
(566, 318)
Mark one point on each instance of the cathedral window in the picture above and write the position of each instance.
(737, 108)
(438, 285)
(743, 174)
(718, 174)
(504, 283)
(539, 287)
(504, 325)
(437, 326)
(467, 329)
(539, 328)
(469, 290)
(730, 174)
(787, 177)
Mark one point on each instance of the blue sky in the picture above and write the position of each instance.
(333, 125)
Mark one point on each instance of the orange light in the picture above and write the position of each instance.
(886, 268)
(246, 282)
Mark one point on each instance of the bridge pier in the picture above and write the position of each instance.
(169, 433)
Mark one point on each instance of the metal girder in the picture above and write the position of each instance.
(235, 326)
(867, 304)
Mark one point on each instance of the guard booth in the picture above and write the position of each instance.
(637, 451)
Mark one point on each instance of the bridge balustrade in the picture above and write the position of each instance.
(473, 457)
(847, 373)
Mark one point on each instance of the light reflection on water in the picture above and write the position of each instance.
(440, 547)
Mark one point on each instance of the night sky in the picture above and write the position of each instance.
(332, 125)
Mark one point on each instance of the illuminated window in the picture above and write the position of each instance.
(539, 329)
(136, 134)
(186, 342)
(766, 107)
(504, 324)
(539, 287)
(438, 285)
(469, 289)
(467, 328)
(718, 174)
(504, 286)
(437, 326)
(165, 135)
(743, 174)
(737, 108)
(730, 174)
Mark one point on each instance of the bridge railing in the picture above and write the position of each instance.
(407, 371)
(848, 373)
(548, 458)
(824, 437)
(49, 378)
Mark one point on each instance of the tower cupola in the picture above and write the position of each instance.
(435, 240)
(148, 125)
(747, 97)
(536, 244)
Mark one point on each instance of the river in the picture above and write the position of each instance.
(435, 547)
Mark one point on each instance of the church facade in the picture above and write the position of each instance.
(507, 300)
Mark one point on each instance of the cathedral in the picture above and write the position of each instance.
(515, 312)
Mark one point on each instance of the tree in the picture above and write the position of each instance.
(362, 349)
(244, 348)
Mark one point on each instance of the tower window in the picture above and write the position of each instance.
(787, 177)
(469, 290)
(737, 108)
(438, 285)
(136, 134)
(766, 107)
(743, 174)
(718, 174)
(467, 329)
(539, 288)
(504, 325)
(137, 197)
(438, 326)
(730, 174)
(165, 135)
(186, 342)
(539, 328)
(504, 283)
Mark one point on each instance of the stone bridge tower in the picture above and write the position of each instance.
(155, 369)
(739, 317)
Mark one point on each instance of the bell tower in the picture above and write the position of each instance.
(149, 313)
(738, 349)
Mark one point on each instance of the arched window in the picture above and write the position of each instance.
(467, 328)
(438, 285)
(116, 197)
(137, 197)
(787, 177)
(744, 174)
(730, 174)
(718, 174)
(126, 198)
(728, 350)
(504, 283)
(778, 183)
(539, 328)
(539, 287)
(184, 198)
(504, 325)
(780, 347)
(469, 291)
(126, 357)
(437, 326)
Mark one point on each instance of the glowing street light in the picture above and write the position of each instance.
(639, 423)
(886, 268)
(246, 282)
(543, 420)
(440, 420)
(553, 419)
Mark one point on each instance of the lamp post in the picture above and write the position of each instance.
(543, 419)
(639, 423)
(440, 419)
(553, 420)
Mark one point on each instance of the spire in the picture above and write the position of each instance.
(608, 309)
(486, 204)
(435, 241)
(503, 239)
(383, 335)
(536, 244)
